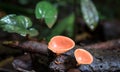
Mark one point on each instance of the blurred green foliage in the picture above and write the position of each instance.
(58, 14)
(65, 24)
(44, 10)
(90, 13)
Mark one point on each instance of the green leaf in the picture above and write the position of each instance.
(90, 13)
(14, 29)
(8, 28)
(9, 19)
(17, 24)
(22, 32)
(12, 19)
(33, 32)
(45, 10)
(62, 26)
(24, 21)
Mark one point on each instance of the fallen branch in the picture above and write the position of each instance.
(113, 44)
(106, 56)
(31, 46)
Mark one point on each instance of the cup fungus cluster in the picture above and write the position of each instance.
(62, 44)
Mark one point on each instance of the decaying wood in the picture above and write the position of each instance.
(113, 44)
(22, 63)
(73, 70)
(62, 63)
(105, 60)
(34, 46)
(31, 46)
(106, 57)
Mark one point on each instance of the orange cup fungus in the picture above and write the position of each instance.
(60, 44)
(83, 57)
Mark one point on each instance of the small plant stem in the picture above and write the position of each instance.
(75, 21)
